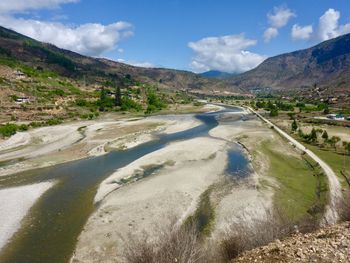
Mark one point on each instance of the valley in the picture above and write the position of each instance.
(106, 161)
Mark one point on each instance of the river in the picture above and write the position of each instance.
(50, 230)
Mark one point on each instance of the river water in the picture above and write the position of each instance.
(51, 228)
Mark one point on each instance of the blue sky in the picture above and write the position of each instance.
(195, 35)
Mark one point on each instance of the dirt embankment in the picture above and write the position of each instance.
(330, 244)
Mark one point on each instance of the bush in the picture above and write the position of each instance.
(81, 102)
(173, 244)
(53, 121)
(155, 103)
(253, 232)
(8, 129)
(129, 104)
(273, 112)
(23, 127)
(150, 109)
(57, 92)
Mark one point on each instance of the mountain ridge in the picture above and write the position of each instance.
(326, 64)
(71, 64)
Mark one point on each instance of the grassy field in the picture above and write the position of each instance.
(296, 194)
(336, 161)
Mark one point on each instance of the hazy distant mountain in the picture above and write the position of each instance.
(326, 64)
(216, 74)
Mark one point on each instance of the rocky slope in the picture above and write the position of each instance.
(330, 244)
(326, 64)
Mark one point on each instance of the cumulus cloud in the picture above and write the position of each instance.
(270, 33)
(18, 6)
(226, 53)
(301, 32)
(278, 18)
(329, 27)
(91, 39)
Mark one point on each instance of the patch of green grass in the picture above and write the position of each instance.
(296, 194)
(334, 160)
(204, 216)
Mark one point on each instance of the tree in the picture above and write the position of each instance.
(273, 112)
(118, 97)
(325, 135)
(333, 141)
(103, 98)
(326, 110)
(294, 126)
(346, 146)
(313, 135)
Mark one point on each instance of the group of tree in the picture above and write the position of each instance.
(9, 129)
(324, 139)
(123, 99)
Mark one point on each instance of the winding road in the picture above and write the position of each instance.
(331, 215)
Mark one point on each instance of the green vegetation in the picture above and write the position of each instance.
(128, 104)
(155, 103)
(204, 215)
(9, 129)
(338, 162)
(294, 126)
(297, 183)
(273, 112)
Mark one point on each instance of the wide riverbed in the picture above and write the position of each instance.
(50, 230)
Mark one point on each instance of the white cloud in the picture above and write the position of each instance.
(280, 17)
(18, 6)
(91, 39)
(137, 63)
(301, 32)
(226, 53)
(328, 26)
(270, 33)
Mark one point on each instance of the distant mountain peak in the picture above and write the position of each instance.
(216, 74)
(327, 65)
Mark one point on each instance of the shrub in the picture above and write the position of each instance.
(273, 112)
(8, 129)
(57, 92)
(154, 102)
(23, 127)
(81, 102)
(53, 121)
(173, 244)
(128, 104)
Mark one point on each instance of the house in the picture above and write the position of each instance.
(21, 100)
(19, 74)
(335, 116)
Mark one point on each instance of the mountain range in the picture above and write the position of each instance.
(326, 65)
(20, 48)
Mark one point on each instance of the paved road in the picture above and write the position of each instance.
(331, 215)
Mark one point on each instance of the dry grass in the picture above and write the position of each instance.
(246, 235)
(185, 244)
(344, 207)
(173, 244)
